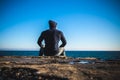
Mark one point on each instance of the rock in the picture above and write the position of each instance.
(57, 68)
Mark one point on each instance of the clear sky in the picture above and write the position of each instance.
(86, 24)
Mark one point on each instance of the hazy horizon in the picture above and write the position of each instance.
(38, 50)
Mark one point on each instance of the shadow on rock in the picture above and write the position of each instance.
(21, 73)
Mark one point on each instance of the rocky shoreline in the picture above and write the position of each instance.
(57, 68)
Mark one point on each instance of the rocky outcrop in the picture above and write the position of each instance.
(57, 68)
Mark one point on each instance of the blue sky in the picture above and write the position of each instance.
(87, 24)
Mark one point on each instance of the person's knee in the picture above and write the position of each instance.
(61, 52)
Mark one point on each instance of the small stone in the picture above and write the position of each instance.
(7, 62)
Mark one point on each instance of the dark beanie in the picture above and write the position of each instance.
(52, 22)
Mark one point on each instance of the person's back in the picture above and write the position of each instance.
(51, 37)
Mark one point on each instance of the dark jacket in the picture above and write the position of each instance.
(51, 38)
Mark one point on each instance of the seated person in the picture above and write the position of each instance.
(51, 37)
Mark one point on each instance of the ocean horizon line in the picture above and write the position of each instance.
(65, 50)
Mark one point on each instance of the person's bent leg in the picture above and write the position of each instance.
(41, 52)
(61, 52)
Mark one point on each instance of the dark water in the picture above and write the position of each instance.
(106, 55)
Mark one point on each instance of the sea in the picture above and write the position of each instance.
(103, 55)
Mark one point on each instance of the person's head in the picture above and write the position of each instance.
(52, 24)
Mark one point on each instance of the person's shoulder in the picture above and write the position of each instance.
(59, 31)
(45, 31)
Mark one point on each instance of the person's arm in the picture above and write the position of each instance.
(63, 40)
(40, 39)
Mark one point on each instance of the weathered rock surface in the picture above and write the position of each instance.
(57, 68)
